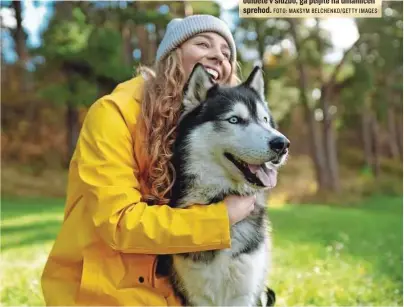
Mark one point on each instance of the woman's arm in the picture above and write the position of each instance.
(107, 169)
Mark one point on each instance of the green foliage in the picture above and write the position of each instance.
(84, 92)
(80, 53)
(78, 92)
(377, 62)
(310, 54)
(55, 92)
(363, 76)
(353, 98)
(66, 39)
(282, 98)
(104, 54)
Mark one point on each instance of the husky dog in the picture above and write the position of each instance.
(226, 144)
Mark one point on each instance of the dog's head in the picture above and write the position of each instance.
(228, 132)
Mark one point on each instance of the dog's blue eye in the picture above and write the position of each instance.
(234, 120)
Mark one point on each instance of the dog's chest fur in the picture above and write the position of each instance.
(225, 281)
(231, 277)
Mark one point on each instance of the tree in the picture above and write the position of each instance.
(90, 50)
(81, 61)
(20, 37)
(376, 85)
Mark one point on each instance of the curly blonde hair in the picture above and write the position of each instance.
(162, 98)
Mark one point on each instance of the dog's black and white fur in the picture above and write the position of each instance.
(226, 144)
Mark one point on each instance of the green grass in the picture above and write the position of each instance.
(333, 256)
(322, 256)
(28, 228)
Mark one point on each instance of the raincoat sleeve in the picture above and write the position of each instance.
(106, 166)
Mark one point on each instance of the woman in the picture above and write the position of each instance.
(116, 218)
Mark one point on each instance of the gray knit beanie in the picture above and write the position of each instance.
(181, 29)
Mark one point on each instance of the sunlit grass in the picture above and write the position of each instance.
(328, 256)
(28, 228)
(322, 256)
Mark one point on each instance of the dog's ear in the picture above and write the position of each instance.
(256, 81)
(197, 87)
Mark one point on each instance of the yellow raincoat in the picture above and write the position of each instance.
(105, 251)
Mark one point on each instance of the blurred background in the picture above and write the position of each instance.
(335, 87)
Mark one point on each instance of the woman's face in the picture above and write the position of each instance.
(212, 51)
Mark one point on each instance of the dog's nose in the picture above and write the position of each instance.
(279, 144)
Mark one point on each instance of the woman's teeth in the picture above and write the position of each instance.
(213, 73)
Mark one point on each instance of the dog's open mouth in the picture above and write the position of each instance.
(259, 175)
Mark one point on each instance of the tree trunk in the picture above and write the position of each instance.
(366, 119)
(376, 145)
(127, 43)
(393, 137)
(316, 146)
(159, 34)
(19, 34)
(20, 47)
(260, 30)
(329, 132)
(324, 105)
(152, 45)
(317, 151)
(332, 154)
(72, 121)
(73, 130)
(141, 35)
(399, 129)
(329, 141)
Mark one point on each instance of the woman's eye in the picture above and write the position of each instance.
(227, 55)
(203, 44)
(234, 120)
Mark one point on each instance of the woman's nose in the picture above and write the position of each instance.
(216, 54)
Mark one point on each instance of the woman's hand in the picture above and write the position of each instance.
(239, 207)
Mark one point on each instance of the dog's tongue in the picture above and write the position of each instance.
(266, 175)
